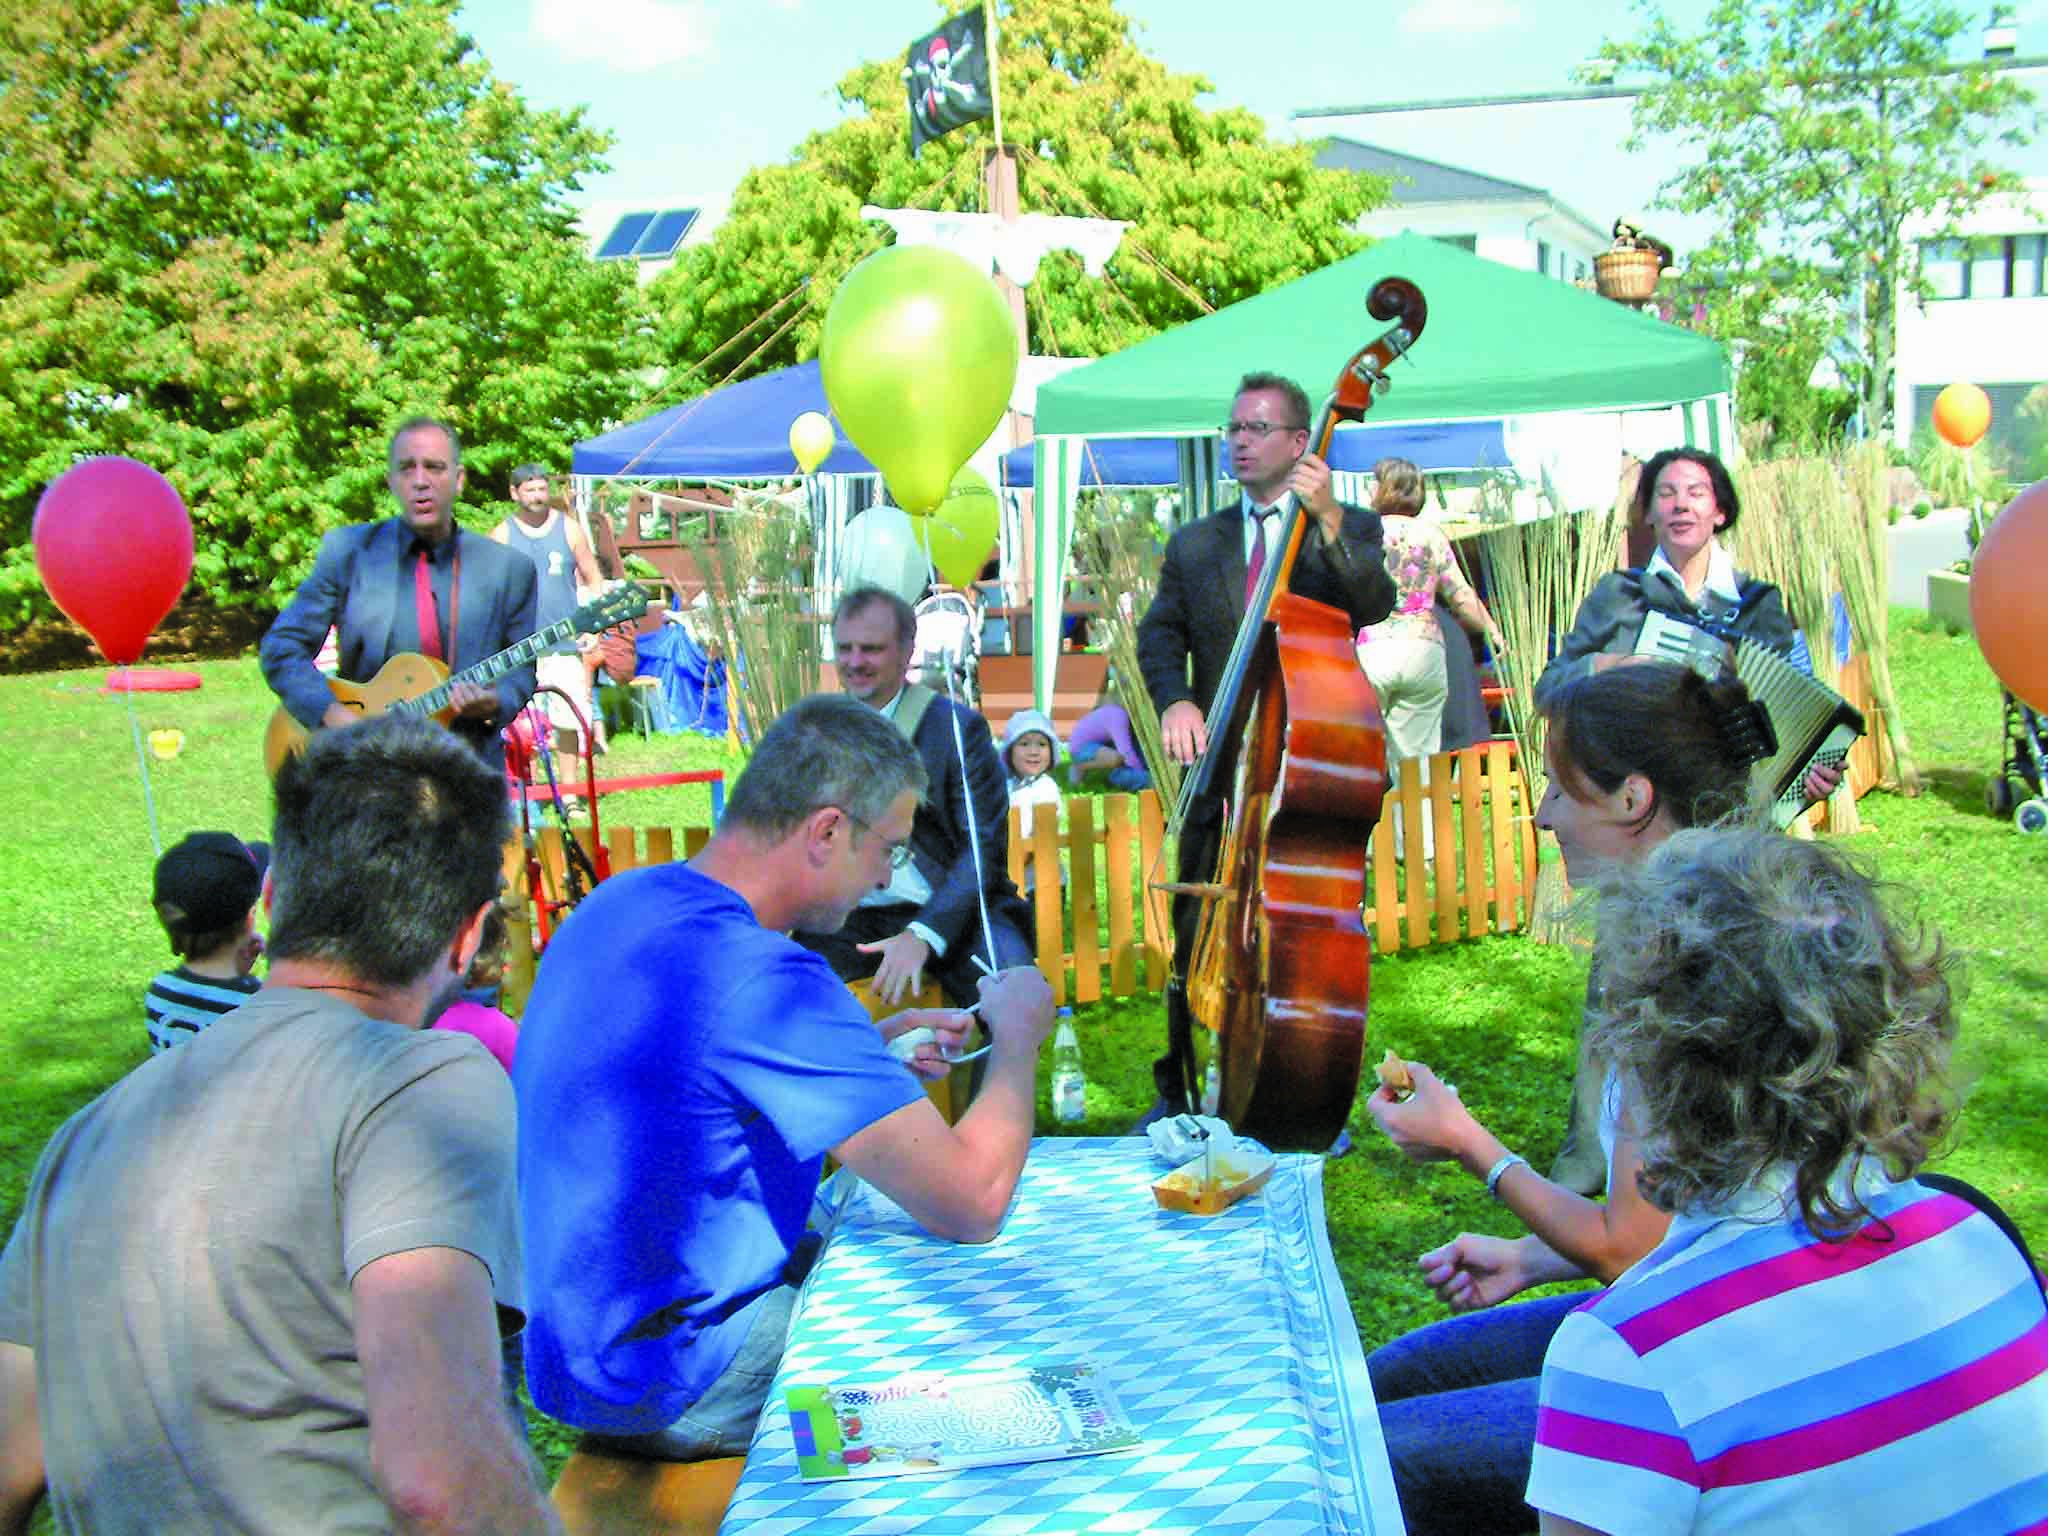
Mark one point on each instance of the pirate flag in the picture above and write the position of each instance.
(948, 77)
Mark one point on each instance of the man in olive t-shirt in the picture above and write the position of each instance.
(258, 1285)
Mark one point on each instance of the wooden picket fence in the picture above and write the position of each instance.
(1102, 931)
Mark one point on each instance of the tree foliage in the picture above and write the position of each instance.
(1218, 213)
(239, 241)
(1819, 129)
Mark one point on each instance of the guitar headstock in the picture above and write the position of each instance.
(608, 609)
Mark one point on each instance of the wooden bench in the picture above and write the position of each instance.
(600, 1495)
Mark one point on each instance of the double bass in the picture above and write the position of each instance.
(1281, 966)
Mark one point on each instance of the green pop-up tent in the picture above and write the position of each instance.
(1498, 343)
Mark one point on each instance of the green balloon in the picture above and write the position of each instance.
(918, 357)
(961, 532)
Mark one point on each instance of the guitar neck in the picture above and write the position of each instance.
(490, 669)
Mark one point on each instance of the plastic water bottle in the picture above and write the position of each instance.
(1212, 1088)
(1069, 1085)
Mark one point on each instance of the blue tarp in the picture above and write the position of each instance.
(742, 431)
(692, 685)
(1156, 461)
(738, 432)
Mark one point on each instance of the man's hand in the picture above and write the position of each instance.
(472, 702)
(952, 1026)
(1431, 1124)
(1471, 1272)
(1184, 731)
(337, 715)
(1822, 780)
(1311, 485)
(1016, 1004)
(901, 973)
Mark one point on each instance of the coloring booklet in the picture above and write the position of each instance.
(937, 1422)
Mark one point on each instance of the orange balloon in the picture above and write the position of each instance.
(1962, 414)
(2009, 595)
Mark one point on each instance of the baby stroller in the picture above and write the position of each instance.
(2025, 764)
(947, 659)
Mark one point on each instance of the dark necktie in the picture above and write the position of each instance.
(423, 606)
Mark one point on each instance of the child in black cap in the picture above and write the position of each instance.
(206, 893)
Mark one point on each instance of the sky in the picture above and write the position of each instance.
(697, 91)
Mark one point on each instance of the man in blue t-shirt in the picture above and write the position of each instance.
(683, 1069)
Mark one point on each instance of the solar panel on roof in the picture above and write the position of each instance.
(625, 234)
(665, 233)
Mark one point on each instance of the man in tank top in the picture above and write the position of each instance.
(565, 563)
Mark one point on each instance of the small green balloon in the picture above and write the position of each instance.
(961, 530)
(918, 357)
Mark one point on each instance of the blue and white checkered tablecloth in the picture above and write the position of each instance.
(1227, 1338)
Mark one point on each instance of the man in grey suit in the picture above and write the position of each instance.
(415, 582)
(1184, 640)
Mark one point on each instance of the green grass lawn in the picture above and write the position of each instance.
(1495, 1014)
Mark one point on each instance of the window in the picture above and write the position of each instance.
(1990, 269)
(1462, 242)
(1941, 262)
(665, 234)
(1543, 257)
(647, 236)
(620, 241)
(1987, 267)
(2029, 254)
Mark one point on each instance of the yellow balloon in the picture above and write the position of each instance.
(810, 439)
(961, 530)
(918, 355)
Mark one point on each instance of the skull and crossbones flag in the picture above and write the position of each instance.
(947, 72)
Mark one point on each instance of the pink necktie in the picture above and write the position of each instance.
(1257, 564)
(423, 608)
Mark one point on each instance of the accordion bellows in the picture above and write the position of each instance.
(1814, 724)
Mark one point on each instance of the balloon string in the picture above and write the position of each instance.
(988, 937)
(142, 764)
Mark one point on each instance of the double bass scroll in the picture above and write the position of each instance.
(1282, 964)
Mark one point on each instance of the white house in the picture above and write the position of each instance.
(1986, 322)
(1504, 221)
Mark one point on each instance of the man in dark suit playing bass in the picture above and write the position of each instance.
(416, 583)
(1185, 638)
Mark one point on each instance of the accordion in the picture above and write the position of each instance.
(1814, 724)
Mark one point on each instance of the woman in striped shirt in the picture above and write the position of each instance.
(1821, 1341)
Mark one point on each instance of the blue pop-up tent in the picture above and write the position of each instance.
(1431, 445)
(736, 432)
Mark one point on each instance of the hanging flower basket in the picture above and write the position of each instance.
(1628, 277)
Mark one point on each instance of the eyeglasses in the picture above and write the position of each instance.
(1258, 429)
(899, 853)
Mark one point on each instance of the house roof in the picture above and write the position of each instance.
(1417, 180)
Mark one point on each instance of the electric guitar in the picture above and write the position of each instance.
(412, 684)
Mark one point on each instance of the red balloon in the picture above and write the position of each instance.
(2009, 595)
(114, 545)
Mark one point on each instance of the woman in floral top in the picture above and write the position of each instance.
(1403, 654)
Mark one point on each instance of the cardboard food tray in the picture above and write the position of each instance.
(1239, 1172)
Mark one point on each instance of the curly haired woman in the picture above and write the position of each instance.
(1821, 1341)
